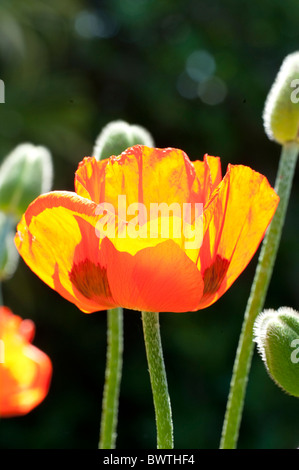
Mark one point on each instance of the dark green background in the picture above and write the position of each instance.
(69, 68)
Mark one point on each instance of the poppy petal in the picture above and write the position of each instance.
(152, 279)
(90, 179)
(235, 221)
(143, 174)
(209, 175)
(50, 237)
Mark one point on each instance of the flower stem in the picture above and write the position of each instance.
(257, 297)
(112, 378)
(153, 346)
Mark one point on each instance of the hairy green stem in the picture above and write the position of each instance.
(153, 346)
(112, 378)
(257, 297)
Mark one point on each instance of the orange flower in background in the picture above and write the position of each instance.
(25, 371)
(63, 239)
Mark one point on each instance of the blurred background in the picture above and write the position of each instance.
(196, 75)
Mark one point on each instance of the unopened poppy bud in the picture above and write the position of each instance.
(9, 256)
(277, 338)
(281, 112)
(117, 136)
(24, 174)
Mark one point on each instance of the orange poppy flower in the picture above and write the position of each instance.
(25, 371)
(85, 253)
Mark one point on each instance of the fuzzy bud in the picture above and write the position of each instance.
(117, 136)
(24, 174)
(277, 337)
(281, 112)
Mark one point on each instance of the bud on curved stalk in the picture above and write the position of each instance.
(277, 338)
(281, 121)
(281, 112)
(9, 255)
(25, 173)
(118, 136)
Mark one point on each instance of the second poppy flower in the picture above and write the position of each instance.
(25, 370)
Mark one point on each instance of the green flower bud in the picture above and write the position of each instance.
(281, 112)
(277, 338)
(24, 174)
(9, 255)
(117, 136)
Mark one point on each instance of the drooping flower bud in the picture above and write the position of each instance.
(117, 136)
(277, 337)
(25, 173)
(281, 112)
